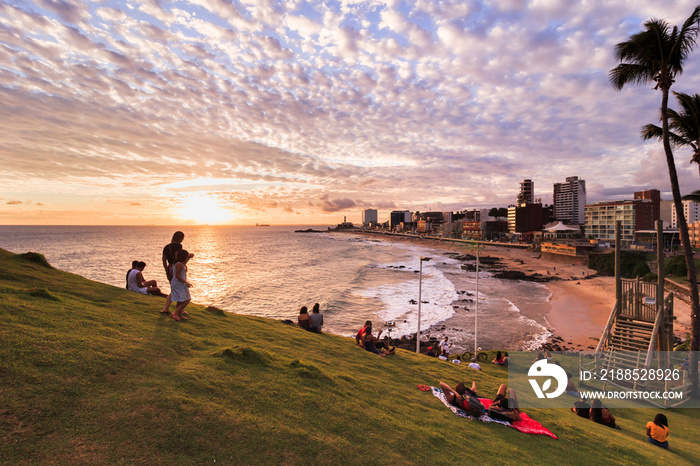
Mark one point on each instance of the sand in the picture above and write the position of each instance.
(579, 307)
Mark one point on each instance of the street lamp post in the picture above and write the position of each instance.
(420, 285)
(476, 305)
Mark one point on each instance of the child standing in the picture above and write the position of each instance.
(179, 286)
(657, 431)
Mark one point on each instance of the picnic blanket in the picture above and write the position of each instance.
(526, 424)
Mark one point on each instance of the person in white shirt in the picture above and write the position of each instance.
(475, 365)
(136, 282)
(445, 347)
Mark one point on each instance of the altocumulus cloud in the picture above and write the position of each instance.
(402, 105)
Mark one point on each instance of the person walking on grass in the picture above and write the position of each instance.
(169, 257)
(180, 287)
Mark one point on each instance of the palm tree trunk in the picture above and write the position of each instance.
(687, 249)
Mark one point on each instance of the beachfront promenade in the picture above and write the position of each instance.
(440, 238)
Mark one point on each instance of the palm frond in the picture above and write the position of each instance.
(629, 73)
(651, 132)
(694, 196)
(654, 132)
(685, 40)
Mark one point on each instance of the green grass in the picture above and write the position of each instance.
(91, 373)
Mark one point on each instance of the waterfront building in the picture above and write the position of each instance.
(691, 210)
(570, 201)
(369, 218)
(525, 218)
(634, 215)
(399, 217)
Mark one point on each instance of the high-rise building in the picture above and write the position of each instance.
(654, 195)
(397, 217)
(570, 201)
(691, 210)
(527, 193)
(369, 217)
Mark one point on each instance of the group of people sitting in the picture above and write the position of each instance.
(503, 408)
(312, 322)
(596, 412)
(135, 281)
(369, 342)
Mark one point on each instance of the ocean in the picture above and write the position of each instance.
(271, 271)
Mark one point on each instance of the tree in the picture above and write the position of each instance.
(694, 196)
(657, 54)
(684, 127)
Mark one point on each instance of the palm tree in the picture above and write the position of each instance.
(694, 196)
(684, 127)
(657, 54)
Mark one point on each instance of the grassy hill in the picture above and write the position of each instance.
(91, 373)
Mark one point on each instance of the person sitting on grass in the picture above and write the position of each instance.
(360, 334)
(582, 408)
(303, 319)
(136, 282)
(657, 431)
(601, 415)
(571, 389)
(499, 360)
(370, 343)
(316, 319)
(474, 365)
(133, 266)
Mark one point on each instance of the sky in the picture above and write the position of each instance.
(293, 112)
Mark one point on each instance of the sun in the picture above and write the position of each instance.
(204, 209)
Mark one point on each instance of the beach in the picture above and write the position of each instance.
(580, 303)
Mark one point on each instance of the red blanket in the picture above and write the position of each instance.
(526, 424)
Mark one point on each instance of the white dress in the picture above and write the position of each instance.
(179, 292)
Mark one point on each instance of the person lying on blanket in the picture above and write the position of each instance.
(502, 408)
(464, 398)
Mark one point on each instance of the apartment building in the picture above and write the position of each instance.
(369, 217)
(691, 210)
(527, 193)
(637, 214)
(570, 201)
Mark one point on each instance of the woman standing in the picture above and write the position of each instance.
(170, 252)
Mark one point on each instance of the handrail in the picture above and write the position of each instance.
(608, 326)
(654, 335)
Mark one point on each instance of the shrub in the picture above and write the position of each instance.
(633, 264)
(676, 267)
